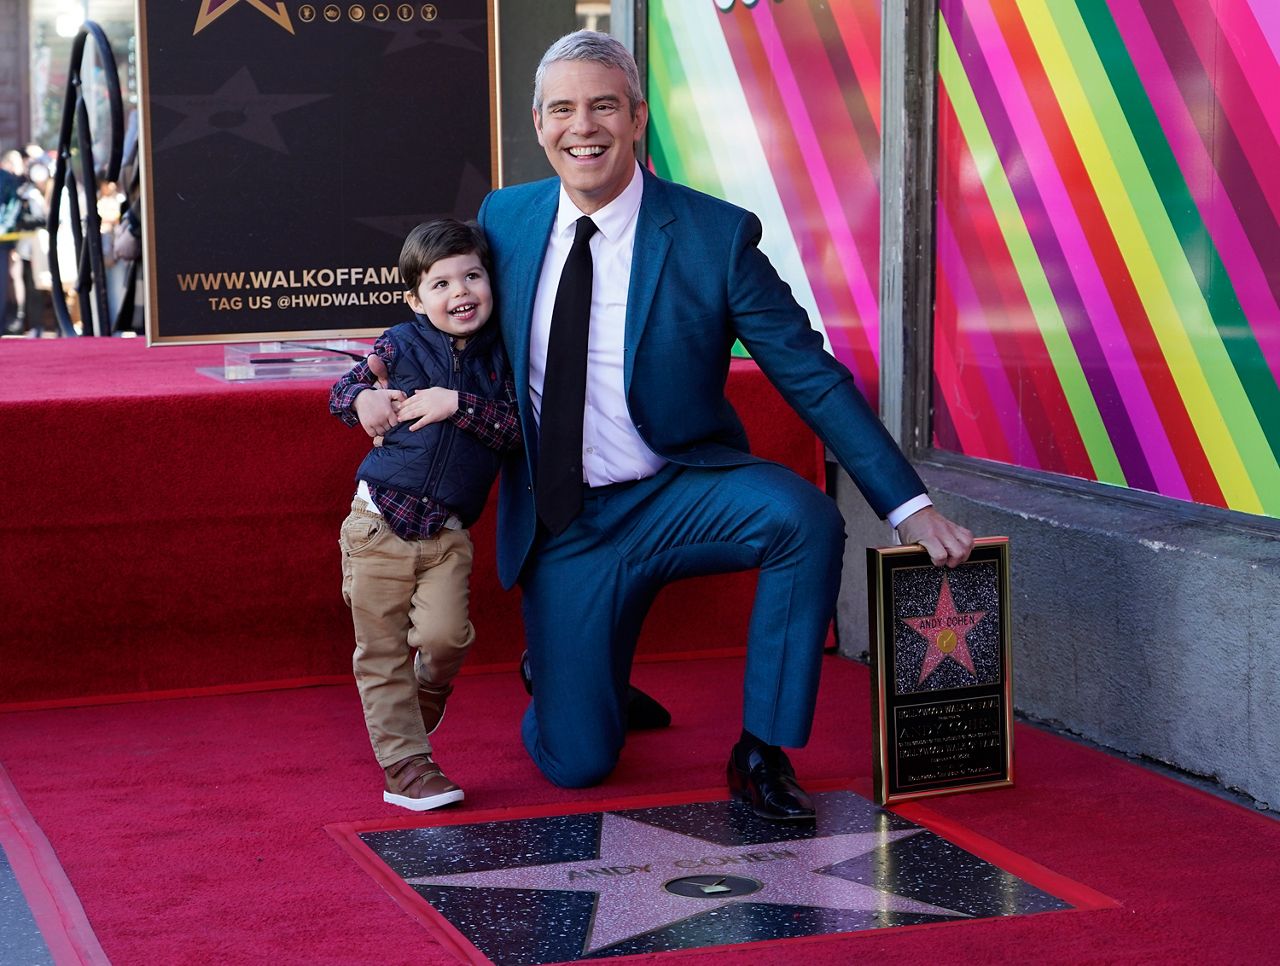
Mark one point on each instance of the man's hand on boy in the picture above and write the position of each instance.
(379, 369)
(428, 406)
(376, 409)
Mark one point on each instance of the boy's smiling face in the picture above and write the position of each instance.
(454, 294)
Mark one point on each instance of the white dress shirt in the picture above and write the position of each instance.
(612, 450)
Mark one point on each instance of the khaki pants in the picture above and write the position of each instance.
(405, 596)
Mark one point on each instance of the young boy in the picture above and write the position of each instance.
(439, 392)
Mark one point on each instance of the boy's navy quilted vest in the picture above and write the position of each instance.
(440, 461)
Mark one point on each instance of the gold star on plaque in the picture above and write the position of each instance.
(211, 10)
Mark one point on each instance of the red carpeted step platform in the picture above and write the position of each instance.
(193, 830)
(165, 531)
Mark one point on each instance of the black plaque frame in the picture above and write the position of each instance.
(950, 729)
(287, 148)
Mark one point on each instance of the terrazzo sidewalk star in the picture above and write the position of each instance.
(637, 878)
(567, 887)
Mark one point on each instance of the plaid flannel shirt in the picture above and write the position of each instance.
(493, 421)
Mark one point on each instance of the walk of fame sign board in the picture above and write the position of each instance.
(564, 887)
(288, 147)
(941, 671)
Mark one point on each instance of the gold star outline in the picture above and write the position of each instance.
(211, 10)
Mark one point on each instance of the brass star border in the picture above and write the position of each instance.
(211, 10)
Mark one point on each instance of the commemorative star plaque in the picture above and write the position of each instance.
(540, 885)
(941, 670)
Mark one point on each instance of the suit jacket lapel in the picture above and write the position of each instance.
(526, 266)
(649, 255)
(647, 260)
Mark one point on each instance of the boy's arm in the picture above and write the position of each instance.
(361, 376)
(495, 422)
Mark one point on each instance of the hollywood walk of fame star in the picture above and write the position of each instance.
(237, 107)
(946, 630)
(211, 10)
(636, 861)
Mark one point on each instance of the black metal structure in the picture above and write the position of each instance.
(76, 175)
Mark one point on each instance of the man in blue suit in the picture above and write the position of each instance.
(661, 484)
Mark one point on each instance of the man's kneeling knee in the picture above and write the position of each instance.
(578, 774)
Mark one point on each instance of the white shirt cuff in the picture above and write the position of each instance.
(911, 506)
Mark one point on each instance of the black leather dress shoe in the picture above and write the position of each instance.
(768, 784)
(526, 674)
(643, 712)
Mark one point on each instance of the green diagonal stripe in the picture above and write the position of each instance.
(671, 142)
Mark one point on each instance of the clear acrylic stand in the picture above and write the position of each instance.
(303, 359)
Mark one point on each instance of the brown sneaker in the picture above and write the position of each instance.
(431, 699)
(418, 784)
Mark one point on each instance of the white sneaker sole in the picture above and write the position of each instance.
(423, 804)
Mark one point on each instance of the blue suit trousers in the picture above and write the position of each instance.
(586, 593)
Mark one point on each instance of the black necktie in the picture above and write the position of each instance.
(564, 389)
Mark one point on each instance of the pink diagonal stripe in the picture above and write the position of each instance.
(1257, 61)
(985, 353)
(864, 291)
(842, 141)
(1267, 14)
(864, 58)
(947, 371)
(850, 340)
(1101, 311)
(1241, 107)
(1239, 257)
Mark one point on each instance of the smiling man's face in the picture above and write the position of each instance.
(587, 129)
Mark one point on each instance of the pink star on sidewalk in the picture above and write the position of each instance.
(636, 861)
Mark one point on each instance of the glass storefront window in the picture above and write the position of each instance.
(1107, 296)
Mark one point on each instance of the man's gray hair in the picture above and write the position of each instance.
(593, 46)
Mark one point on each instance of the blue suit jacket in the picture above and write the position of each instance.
(698, 283)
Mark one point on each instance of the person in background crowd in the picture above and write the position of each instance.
(32, 246)
(35, 255)
(12, 175)
(29, 261)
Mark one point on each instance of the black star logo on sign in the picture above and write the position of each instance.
(237, 108)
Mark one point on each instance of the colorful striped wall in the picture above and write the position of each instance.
(1108, 257)
(775, 106)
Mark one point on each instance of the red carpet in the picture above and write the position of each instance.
(166, 531)
(193, 830)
